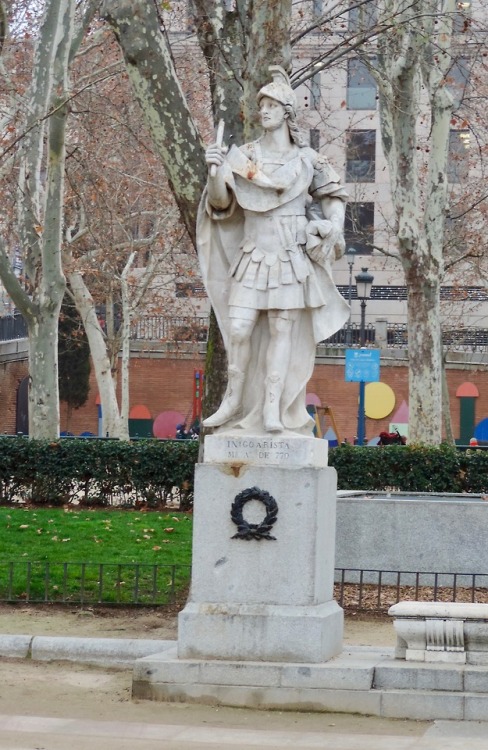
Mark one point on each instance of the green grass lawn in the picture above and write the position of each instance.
(52, 554)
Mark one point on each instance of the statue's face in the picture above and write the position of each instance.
(272, 113)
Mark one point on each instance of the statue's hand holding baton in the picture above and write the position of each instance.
(214, 155)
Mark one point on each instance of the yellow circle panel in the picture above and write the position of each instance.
(379, 400)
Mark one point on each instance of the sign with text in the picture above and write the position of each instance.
(362, 365)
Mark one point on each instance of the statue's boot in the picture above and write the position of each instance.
(231, 402)
(271, 412)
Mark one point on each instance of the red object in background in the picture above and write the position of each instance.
(197, 394)
(392, 438)
(165, 424)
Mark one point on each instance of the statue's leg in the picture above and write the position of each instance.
(238, 356)
(277, 363)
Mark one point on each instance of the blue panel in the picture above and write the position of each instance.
(481, 430)
(362, 365)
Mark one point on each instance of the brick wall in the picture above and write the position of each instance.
(159, 384)
(162, 384)
(11, 374)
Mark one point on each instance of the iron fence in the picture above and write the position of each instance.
(125, 584)
(350, 335)
(139, 584)
(377, 590)
(158, 328)
(194, 329)
(461, 339)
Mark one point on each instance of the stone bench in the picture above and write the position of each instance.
(441, 632)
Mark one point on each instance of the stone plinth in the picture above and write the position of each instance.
(268, 597)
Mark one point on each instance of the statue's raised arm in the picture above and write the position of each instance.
(270, 223)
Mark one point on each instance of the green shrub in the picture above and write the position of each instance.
(411, 468)
(97, 472)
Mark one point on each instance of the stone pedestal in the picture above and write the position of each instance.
(263, 554)
(260, 625)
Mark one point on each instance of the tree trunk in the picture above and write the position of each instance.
(446, 405)
(112, 423)
(425, 357)
(44, 414)
(418, 52)
(268, 44)
(157, 89)
(125, 341)
(215, 362)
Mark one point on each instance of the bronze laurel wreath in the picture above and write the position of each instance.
(257, 531)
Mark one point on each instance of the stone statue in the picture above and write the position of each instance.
(270, 222)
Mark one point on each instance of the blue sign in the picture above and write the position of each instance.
(362, 365)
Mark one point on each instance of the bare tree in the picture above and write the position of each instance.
(36, 123)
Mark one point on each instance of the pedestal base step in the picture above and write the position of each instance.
(361, 680)
(260, 632)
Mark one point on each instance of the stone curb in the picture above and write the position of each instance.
(17, 646)
(105, 652)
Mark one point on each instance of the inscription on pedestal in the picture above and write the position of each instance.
(267, 450)
(283, 450)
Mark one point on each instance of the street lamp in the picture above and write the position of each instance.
(350, 253)
(364, 282)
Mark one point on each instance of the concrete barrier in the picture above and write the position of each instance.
(414, 532)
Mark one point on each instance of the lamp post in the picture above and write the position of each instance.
(364, 282)
(350, 252)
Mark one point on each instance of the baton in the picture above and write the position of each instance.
(220, 138)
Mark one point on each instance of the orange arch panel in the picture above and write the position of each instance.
(139, 411)
(467, 390)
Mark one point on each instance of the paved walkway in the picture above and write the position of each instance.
(60, 706)
(41, 733)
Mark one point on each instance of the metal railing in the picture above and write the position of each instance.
(92, 583)
(350, 335)
(158, 328)
(377, 590)
(138, 584)
(194, 329)
(461, 339)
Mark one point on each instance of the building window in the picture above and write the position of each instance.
(360, 155)
(454, 241)
(361, 86)
(315, 138)
(359, 227)
(457, 80)
(458, 160)
(363, 18)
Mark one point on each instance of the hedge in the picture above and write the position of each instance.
(93, 472)
(97, 472)
(411, 468)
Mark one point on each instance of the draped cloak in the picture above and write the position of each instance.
(220, 237)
